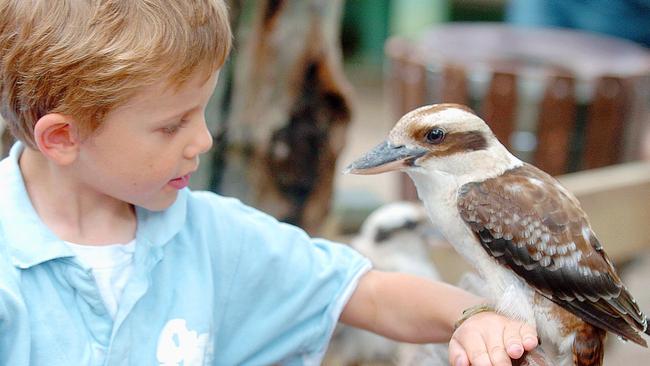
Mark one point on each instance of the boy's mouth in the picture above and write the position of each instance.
(180, 182)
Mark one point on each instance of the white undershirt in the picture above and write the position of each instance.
(112, 266)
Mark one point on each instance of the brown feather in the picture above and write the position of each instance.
(436, 108)
(454, 142)
(589, 346)
(529, 223)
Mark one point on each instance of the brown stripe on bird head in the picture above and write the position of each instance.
(435, 108)
(452, 143)
(464, 141)
(410, 127)
(420, 113)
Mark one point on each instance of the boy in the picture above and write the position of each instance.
(107, 259)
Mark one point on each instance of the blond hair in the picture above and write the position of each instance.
(85, 57)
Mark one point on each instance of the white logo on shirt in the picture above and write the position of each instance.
(178, 346)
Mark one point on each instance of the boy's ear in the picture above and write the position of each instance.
(57, 137)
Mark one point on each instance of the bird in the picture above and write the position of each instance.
(397, 237)
(523, 232)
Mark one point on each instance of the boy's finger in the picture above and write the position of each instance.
(528, 336)
(457, 355)
(512, 339)
(496, 348)
(474, 346)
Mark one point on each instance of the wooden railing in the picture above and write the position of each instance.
(562, 100)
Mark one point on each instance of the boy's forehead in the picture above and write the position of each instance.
(166, 89)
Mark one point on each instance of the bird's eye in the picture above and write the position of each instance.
(435, 136)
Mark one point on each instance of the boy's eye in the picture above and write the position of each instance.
(170, 130)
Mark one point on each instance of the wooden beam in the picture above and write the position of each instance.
(605, 125)
(617, 200)
(555, 127)
(499, 106)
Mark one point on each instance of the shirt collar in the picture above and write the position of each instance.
(30, 242)
(156, 228)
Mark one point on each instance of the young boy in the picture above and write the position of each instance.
(106, 258)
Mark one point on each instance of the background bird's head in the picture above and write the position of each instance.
(398, 236)
(440, 138)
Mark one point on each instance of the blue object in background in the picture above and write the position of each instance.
(628, 19)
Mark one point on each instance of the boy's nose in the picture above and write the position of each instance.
(201, 143)
(205, 139)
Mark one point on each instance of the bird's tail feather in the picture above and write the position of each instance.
(589, 346)
(615, 325)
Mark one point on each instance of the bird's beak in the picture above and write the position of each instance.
(386, 157)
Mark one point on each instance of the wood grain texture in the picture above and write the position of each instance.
(556, 126)
(499, 106)
(606, 121)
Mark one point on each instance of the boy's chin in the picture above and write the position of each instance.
(160, 204)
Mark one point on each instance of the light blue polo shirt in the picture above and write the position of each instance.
(215, 283)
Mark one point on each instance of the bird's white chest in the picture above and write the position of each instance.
(510, 293)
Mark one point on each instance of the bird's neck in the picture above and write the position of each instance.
(484, 164)
(475, 166)
(439, 186)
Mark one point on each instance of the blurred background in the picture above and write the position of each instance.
(556, 80)
(311, 85)
(565, 85)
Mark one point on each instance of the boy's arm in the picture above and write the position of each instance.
(412, 309)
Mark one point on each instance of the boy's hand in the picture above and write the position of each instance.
(490, 339)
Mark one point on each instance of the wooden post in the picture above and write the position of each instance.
(408, 87)
(606, 121)
(454, 85)
(556, 125)
(282, 110)
(500, 105)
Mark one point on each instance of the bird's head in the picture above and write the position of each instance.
(447, 138)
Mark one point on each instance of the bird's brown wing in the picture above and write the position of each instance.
(532, 225)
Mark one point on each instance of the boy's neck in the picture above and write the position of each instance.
(73, 212)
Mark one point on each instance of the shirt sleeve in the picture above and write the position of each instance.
(288, 290)
(14, 323)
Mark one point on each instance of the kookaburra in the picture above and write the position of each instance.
(523, 232)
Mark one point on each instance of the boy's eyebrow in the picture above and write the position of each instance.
(174, 115)
(169, 118)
